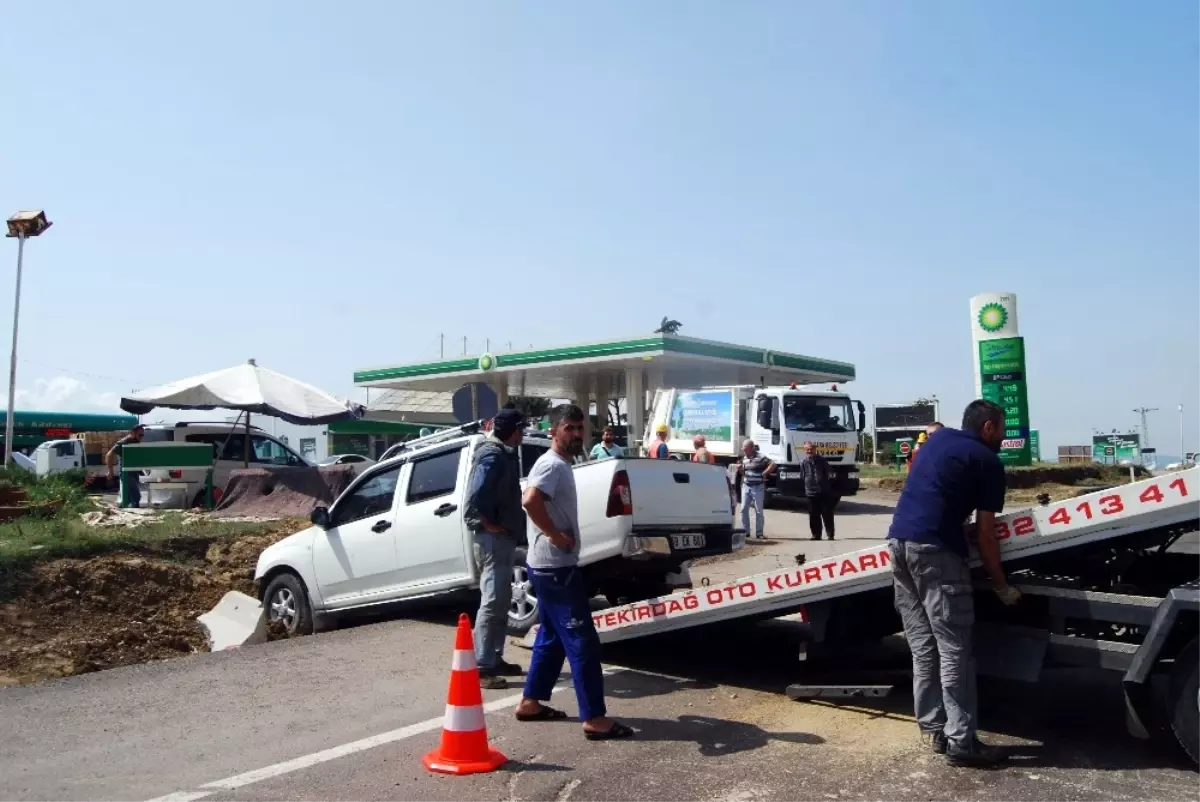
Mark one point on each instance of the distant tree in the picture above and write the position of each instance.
(866, 447)
(533, 407)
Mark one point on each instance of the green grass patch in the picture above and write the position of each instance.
(877, 471)
(31, 540)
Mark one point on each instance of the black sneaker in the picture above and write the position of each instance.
(936, 741)
(490, 681)
(979, 756)
(505, 669)
(829, 537)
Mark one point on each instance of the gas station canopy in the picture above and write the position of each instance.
(604, 368)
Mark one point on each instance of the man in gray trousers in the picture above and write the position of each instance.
(495, 516)
(957, 473)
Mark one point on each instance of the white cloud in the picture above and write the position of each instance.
(64, 394)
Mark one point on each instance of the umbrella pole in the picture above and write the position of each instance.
(246, 450)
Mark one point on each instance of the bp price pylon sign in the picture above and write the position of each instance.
(1000, 370)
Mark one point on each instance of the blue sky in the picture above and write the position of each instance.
(329, 191)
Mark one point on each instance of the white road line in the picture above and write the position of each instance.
(325, 755)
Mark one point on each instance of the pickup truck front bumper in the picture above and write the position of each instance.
(675, 546)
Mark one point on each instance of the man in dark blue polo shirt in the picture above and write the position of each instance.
(958, 473)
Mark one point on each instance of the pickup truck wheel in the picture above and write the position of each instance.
(1184, 702)
(286, 601)
(523, 610)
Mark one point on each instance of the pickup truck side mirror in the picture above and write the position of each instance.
(320, 517)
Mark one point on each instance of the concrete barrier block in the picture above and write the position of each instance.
(237, 620)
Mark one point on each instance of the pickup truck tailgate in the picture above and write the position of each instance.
(674, 494)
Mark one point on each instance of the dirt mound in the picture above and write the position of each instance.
(282, 491)
(1041, 478)
(74, 616)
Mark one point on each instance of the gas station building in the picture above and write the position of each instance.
(595, 373)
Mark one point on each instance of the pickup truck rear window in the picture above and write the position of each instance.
(529, 455)
(434, 476)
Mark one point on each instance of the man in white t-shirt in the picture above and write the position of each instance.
(566, 631)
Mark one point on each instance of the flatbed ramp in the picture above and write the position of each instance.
(1116, 512)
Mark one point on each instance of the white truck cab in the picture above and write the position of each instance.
(780, 420)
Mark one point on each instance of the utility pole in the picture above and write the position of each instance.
(464, 345)
(1145, 431)
(1182, 452)
(441, 346)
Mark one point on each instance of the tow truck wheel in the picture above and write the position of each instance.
(523, 609)
(1184, 702)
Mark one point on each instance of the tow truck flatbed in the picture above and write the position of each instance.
(1101, 516)
(1102, 586)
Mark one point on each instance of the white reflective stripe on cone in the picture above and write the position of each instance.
(463, 660)
(464, 719)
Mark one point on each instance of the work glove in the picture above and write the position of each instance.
(1008, 595)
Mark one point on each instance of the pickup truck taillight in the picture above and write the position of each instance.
(620, 499)
(175, 474)
(732, 497)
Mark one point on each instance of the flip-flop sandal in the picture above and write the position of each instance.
(618, 730)
(545, 713)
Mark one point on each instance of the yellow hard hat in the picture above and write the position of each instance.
(662, 428)
(921, 437)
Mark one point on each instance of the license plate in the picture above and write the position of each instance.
(789, 474)
(687, 541)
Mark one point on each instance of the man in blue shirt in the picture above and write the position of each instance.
(958, 473)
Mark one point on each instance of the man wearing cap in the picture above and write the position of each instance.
(659, 449)
(495, 517)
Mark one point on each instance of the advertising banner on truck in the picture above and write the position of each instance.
(707, 412)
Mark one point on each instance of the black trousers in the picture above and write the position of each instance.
(820, 510)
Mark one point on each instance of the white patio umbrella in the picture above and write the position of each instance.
(248, 389)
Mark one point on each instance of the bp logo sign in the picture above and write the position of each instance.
(992, 318)
(487, 362)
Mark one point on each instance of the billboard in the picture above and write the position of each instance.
(1116, 448)
(904, 416)
(707, 412)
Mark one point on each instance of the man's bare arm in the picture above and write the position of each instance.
(989, 554)
(534, 502)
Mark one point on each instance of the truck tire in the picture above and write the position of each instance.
(1183, 704)
(285, 600)
(523, 610)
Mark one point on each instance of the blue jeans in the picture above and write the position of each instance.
(495, 555)
(135, 489)
(753, 495)
(566, 632)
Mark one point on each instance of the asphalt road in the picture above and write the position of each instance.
(348, 714)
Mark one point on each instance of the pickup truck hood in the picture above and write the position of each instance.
(286, 550)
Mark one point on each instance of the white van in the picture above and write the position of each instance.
(229, 442)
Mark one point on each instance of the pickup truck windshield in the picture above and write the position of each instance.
(816, 414)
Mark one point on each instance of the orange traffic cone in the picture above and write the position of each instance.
(464, 748)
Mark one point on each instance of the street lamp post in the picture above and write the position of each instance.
(1182, 453)
(21, 225)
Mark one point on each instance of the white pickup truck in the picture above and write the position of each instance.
(397, 533)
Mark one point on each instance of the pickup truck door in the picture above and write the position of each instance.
(431, 539)
(355, 559)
